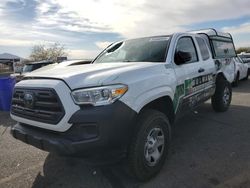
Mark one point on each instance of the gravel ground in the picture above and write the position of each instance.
(209, 150)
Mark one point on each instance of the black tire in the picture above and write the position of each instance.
(236, 81)
(219, 103)
(148, 120)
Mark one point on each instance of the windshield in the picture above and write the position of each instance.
(32, 67)
(150, 49)
(27, 68)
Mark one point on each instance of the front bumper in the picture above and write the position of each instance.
(94, 130)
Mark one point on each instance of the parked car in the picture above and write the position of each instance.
(246, 59)
(127, 99)
(29, 67)
(241, 71)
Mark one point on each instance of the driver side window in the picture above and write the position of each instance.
(186, 44)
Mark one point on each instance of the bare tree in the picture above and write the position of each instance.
(41, 52)
(243, 49)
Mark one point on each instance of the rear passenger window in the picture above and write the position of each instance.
(186, 44)
(203, 48)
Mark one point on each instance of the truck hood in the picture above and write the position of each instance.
(88, 75)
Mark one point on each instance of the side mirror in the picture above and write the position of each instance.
(182, 57)
(218, 64)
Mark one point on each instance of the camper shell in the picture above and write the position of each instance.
(223, 51)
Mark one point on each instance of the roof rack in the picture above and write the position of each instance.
(211, 32)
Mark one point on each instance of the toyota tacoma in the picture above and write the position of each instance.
(127, 99)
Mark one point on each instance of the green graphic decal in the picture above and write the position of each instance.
(188, 86)
(191, 87)
(179, 92)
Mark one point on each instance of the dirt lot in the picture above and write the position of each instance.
(209, 150)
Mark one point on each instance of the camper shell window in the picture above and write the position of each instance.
(223, 48)
(220, 44)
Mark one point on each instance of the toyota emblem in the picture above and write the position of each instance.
(29, 100)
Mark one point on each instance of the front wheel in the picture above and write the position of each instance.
(150, 144)
(221, 100)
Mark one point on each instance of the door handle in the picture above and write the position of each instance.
(201, 70)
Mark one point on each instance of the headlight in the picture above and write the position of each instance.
(99, 95)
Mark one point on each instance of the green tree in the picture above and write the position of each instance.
(41, 52)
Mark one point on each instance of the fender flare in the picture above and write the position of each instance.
(226, 77)
(151, 95)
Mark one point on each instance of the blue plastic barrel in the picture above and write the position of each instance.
(6, 89)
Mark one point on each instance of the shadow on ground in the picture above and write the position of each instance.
(5, 122)
(5, 119)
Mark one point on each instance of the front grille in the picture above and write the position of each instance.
(41, 105)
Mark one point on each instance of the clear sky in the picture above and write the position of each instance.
(85, 27)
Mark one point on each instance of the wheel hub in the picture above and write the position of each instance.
(154, 146)
(226, 96)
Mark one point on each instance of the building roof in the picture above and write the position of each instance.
(8, 56)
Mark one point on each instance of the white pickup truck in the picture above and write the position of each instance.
(246, 59)
(127, 99)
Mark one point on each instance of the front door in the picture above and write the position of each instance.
(190, 80)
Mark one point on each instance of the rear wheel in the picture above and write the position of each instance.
(221, 100)
(150, 145)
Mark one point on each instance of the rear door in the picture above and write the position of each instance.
(209, 75)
